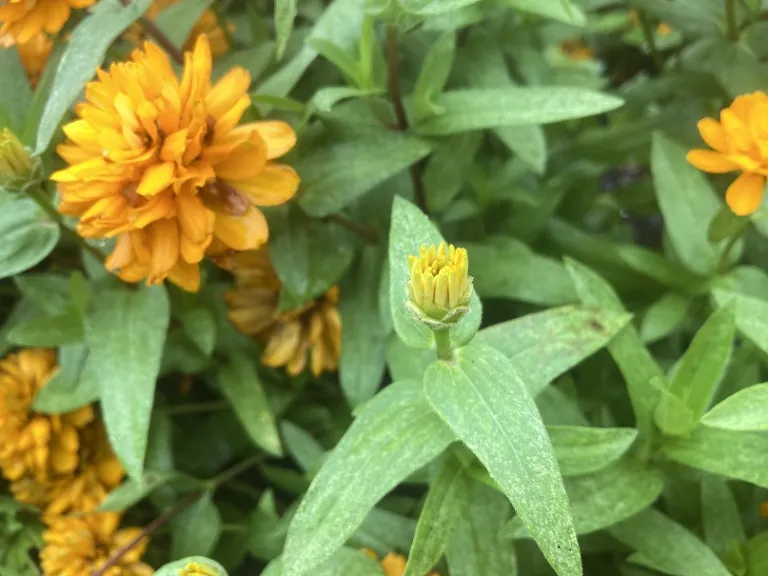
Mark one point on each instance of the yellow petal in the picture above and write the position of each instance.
(712, 162)
(186, 276)
(246, 232)
(227, 91)
(195, 219)
(164, 239)
(245, 162)
(282, 344)
(713, 134)
(276, 184)
(279, 136)
(745, 194)
(156, 178)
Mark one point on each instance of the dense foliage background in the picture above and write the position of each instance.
(285, 412)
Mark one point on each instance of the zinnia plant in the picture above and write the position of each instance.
(383, 288)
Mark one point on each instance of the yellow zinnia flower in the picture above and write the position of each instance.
(440, 285)
(739, 141)
(161, 165)
(76, 546)
(35, 446)
(22, 20)
(310, 333)
(34, 54)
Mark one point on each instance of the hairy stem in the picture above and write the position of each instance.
(367, 234)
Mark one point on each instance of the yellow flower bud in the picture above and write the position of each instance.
(197, 569)
(440, 285)
(15, 163)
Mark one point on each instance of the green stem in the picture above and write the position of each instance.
(235, 470)
(41, 199)
(443, 343)
(731, 20)
(722, 266)
(650, 38)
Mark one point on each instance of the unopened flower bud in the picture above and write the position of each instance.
(440, 286)
(198, 569)
(15, 164)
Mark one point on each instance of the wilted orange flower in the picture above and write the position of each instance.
(76, 546)
(32, 445)
(739, 141)
(22, 20)
(34, 54)
(161, 165)
(311, 333)
(576, 50)
(208, 25)
(393, 564)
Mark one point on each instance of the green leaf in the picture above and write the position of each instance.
(26, 236)
(410, 230)
(130, 492)
(635, 363)
(256, 60)
(444, 507)
(326, 98)
(738, 455)
(177, 20)
(547, 344)
(580, 450)
(125, 331)
(339, 57)
(756, 551)
(481, 109)
(394, 435)
(688, 203)
(175, 568)
(746, 410)
(48, 331)
(16, 94)
(241, 385)
(477, 548)
(336, 174)
(562, 10)
(200, 326)
(484, 401)
(40, 98)
(447, 168)
(343, 561)
(309, 256)
(524, 275)
(363, 339)
(664, 545)
(433, 76)
(383, 531)
(285, 14)
(605, 498)
(304, 449)
(49, 291)
(703, 365)
(751, 315)
(664, 317)
(720, 516)
(196, 529)
(74, 385)
(726, 224)
(434, 7)
(83, 56)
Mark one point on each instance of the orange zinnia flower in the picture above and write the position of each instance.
(162, 165)
(311, 332)
(739, 141)
(76, 546)
(22, 20)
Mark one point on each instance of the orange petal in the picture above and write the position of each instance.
(121, 255)
(276, 184)
(246, 161)
(185, 275)
(246, 232)
(279, 136)
(195, 219)
(745, 194)
(156, 178)
(713, 134)
(712, 162)
(164, 239)
(227, 91)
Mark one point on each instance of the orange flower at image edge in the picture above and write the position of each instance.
(22, 20)
(739, 142)
(161, 164)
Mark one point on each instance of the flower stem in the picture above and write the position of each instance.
(443, 343)
(158, 36)
(367, 234)
(650, 38)
(393, 82)
(42, 200)
(731, 20)
(722, 266)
